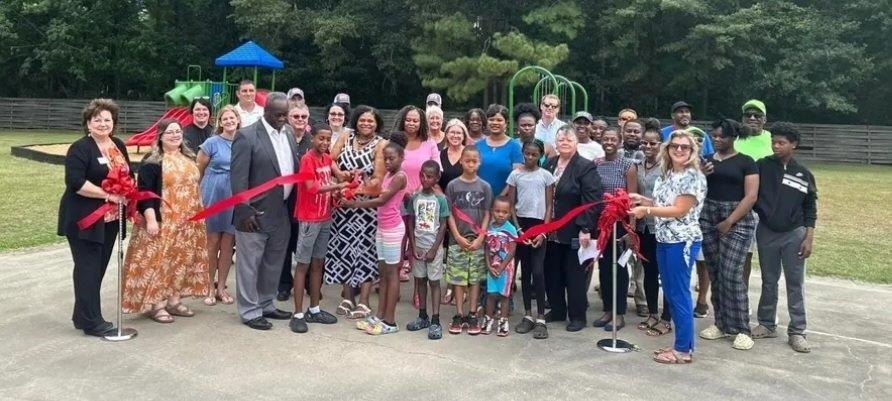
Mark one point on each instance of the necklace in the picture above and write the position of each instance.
(652, 166)
(362, 142)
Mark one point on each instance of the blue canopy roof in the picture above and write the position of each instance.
(249, 54)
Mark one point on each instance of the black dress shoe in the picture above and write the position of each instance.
(259, 323)
(278, 314)
(575, 325)
(283, 295)
(105, 329)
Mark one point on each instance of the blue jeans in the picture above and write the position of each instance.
(675, 261)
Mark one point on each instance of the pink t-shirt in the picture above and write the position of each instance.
(413, 159)
(389, 215)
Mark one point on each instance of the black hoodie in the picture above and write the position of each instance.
(787, 195)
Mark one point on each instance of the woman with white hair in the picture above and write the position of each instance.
(435, 125)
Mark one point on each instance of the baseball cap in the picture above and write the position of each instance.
(754, 104)
(583, 114)
(295, 91)
(435, 98)
(342, 98)
(679, 104)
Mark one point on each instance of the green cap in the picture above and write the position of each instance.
(754, 104)
(698, 133)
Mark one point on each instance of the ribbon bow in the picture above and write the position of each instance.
(118, 182)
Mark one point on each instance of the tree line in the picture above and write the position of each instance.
(815, 61)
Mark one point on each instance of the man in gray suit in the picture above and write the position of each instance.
(262, 152)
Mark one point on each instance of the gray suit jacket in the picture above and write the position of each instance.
(253, 163)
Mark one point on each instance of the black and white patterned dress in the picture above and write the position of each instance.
(351, 258)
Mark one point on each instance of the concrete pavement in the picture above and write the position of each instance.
(214, 357)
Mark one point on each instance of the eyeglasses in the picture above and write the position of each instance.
(646, 143)
(175, 132)
(753, 115)
(680, 146)
(300, 116)
(550, 105)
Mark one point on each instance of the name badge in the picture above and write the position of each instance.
(102, 160)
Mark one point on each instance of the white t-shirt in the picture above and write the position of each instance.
(249, 117)
(530, 187)
(590, 150)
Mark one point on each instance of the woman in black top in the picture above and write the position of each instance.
(450, 156)
(201, 129)
(578, 183)
(87, 163)
(727, 223)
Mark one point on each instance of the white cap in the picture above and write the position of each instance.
(342, 98)
(434, 98)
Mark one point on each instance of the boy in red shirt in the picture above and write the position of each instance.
(313, 212)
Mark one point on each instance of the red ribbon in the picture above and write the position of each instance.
(118, 182)
(616, 210)
(250, 193)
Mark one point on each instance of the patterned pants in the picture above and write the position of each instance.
(725, 255)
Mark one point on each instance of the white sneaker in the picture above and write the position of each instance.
(712, 333)
(743, 342)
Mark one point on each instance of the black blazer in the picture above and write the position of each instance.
(82, 165)
(579, 184)
(253, 163)
(149, 179)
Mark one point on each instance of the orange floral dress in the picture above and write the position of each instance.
(174, 262)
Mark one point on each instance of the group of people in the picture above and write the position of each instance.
(449, 202)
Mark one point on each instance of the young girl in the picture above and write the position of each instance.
(388, 241)
(531, 189)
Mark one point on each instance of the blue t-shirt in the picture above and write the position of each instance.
(706, 148)
(497, 162)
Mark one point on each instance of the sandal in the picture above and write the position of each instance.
(650, 322)
(659, 329)
(224, 297)
(671, 357)
(361, 311)
(179, 310)
(210, 300)
(663, 349)
(156, 315)
(344, 308)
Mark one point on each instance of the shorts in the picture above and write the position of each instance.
(312, 241)
(465, 268)
(501, 284)
(389, 244)
(433, 270)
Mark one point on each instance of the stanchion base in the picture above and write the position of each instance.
(125, 334)
(619, 347)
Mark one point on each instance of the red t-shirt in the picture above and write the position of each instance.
(314, 206)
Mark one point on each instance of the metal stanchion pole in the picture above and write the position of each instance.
(128, 333)
(612, 344)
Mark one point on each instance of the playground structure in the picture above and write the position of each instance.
(219, 93)
(548, 83)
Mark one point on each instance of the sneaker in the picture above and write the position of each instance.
(418, 324)
(761, 331)
(298, 325)
(487, 326)
(473, 325)
(367, 322)
(322, 317)
(503, 327)
(456, 326)
(743, 342)
(799, 343)
(701, 311)
(382, 328)
(712, 332)
(435, 332)
(525, 326)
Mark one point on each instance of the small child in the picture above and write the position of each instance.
(499, 252)
(465, 263)
(388, 241)
(313, 213)
(531, 189)
(428, 216)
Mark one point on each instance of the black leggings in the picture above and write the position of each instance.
(605, 275)
(532, 273)
(652, 276)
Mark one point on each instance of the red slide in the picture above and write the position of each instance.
(147, 135)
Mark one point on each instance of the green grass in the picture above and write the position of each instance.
(853, 239)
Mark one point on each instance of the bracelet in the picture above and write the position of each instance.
(648, 211)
